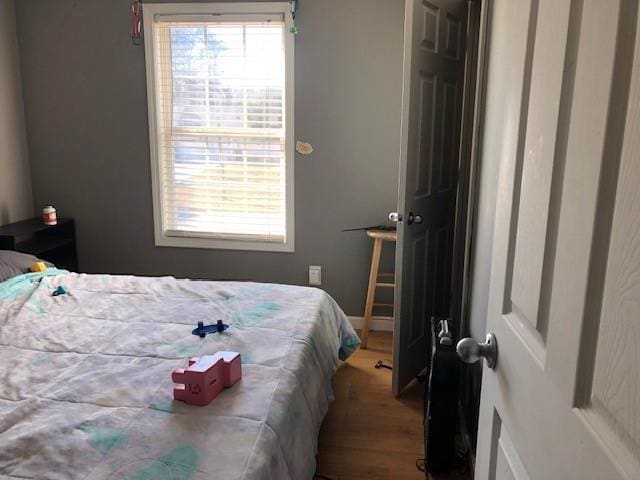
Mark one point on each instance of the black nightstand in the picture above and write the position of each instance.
(54, 243)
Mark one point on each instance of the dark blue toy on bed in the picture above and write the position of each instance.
(202, 330)
(61, 290)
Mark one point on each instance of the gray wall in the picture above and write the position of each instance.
(16, 201)
(86, 110)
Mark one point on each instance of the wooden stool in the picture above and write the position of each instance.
(378, 236)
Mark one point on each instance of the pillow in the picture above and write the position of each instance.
(16, 263)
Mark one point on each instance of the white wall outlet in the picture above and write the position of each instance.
(315, 275)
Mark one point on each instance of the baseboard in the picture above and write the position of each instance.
(381, 325)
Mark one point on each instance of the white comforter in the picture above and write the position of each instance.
(86, 390)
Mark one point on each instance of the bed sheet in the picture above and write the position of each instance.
(86, 389)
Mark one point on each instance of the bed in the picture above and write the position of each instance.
(86, 390)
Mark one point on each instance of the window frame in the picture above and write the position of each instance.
(162, 239)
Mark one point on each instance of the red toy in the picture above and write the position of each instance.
(205, 377)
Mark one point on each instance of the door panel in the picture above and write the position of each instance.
(453, 45)
(441, 283)
(420, 267)
(432, 103)
(450, 134)
(506, 463)
(615, 388)
(424, 173)
(562, 117)
(538, 162)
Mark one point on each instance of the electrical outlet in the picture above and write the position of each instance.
(315, 275)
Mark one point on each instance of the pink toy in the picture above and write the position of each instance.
(206, 376)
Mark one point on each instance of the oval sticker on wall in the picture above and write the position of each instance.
(304, 148)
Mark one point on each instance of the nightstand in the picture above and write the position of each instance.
(53, 243)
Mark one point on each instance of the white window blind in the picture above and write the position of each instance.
(221, 126)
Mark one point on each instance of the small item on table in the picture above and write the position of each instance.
(205, 377)
(202, 330)
(61, 290)
(49, 215)
(38, 267)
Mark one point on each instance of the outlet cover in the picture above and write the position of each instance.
(315, 275)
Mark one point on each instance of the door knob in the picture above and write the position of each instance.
(395, 217)
(471, 351)
(417, 219)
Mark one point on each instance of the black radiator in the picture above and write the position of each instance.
(441, 397)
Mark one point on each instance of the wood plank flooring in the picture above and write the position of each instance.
(368, 434)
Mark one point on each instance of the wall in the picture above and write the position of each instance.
(16, 202)
(85, 100)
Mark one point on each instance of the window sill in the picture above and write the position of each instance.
(219, 244)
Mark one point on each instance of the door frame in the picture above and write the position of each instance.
(472, 114)
(471, 378)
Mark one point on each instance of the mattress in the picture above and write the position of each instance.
(86, 386)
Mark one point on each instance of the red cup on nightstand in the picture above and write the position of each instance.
(49, 215)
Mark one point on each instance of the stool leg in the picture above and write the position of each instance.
(371, 291)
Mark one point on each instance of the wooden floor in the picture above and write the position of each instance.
(368, 434)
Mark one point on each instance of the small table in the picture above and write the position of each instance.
(378, 236)
(53, 243)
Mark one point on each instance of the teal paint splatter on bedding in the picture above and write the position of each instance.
(177, 464)
(186, 350)
(15, 287)
(255, 316)
(103, 438)
(35, 305)
(42, 358)
(164, 405)
(245, 358)
(349, 345)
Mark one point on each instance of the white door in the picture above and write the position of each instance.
(562, 116)
(434, 60)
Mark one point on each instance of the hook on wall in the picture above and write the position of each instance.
(294, 9)
(136, 22)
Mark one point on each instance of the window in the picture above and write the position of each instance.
(220, 88)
